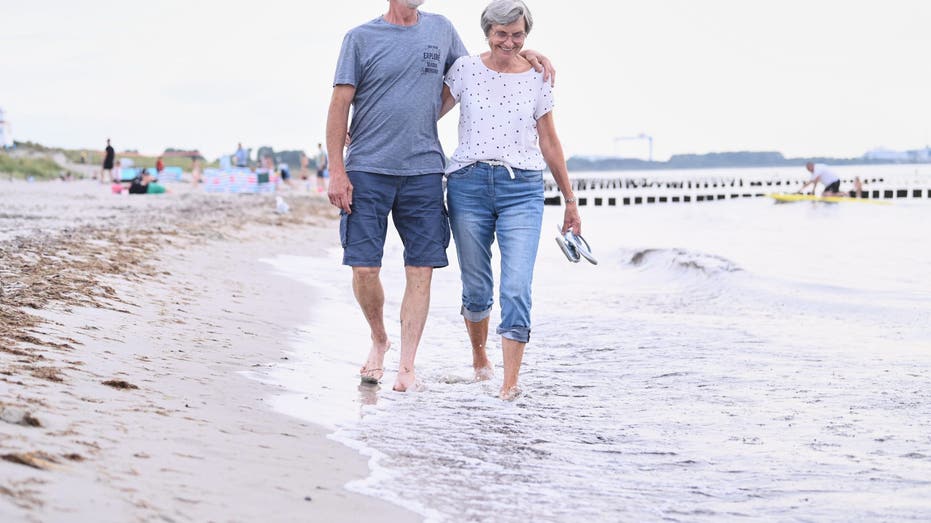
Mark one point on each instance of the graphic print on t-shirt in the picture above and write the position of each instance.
(431, 60)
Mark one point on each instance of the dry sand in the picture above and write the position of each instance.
(126, 325)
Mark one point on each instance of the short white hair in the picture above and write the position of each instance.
(506, 12)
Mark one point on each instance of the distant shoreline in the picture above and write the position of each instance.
(740, 159)
(68, 159)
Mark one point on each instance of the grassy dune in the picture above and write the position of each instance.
(40, 167)
(96, 158)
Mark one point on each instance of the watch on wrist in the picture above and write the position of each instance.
(571, 200)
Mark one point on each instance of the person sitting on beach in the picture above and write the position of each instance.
(822, 173)
(497, 192)
(145, 183)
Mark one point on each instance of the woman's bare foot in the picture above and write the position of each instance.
(510, 394)
(484, 373)
(374, 367)
(405, 381)
(482, 366)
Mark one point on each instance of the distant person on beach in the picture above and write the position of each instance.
(268, 164)
(285, 172)
(304, 171)
(390, 71)
(497, 192)
(196, 171)
(822, 173)
(109, 155)
(241, 158)
(323, 165)
(159, 167)
(144, 183)
(116, 181)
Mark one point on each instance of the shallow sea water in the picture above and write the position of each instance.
(725, 360)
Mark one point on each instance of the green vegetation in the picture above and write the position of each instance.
(39, 161)
(40, 168)
(95, 157)
(90, 157)
(292, 158)
(149, 161)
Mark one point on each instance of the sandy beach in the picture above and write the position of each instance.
(127, 328)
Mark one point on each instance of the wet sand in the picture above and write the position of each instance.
(127, 325)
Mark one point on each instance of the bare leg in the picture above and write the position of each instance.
(478, 335)
(513, 355)
(414, 309)
(858, 187)
(366, 285)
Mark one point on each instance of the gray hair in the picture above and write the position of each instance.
(506, 12)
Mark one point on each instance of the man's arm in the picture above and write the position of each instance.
(542, 64)
(813, 182)
(337, 123)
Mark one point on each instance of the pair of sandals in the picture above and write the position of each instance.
(574, 246)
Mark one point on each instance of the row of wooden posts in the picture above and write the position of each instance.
(633, 191)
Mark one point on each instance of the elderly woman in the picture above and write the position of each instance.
(507, 136)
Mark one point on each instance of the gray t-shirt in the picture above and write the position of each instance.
(398, 75)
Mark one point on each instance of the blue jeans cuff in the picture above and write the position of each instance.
(475, 317)
(520, 334)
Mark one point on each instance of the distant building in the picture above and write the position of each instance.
(886, 155)
(920, 155)
(6, 131)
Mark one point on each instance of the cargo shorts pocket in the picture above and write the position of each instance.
(343, 226)
(447, 233)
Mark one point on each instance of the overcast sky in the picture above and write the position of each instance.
(804, 77)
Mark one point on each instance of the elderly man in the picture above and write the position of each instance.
(390, 70)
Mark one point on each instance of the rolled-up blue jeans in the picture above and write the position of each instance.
(485, 202)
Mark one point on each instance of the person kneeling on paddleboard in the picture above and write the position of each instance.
(822, 173)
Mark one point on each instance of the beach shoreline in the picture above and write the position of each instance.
(130, 326)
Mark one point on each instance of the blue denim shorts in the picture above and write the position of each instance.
(486, 205)
(417, 209)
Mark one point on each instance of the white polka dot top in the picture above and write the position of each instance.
(498, 114)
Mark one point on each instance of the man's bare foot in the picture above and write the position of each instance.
(510, 394)
(374, 367)
(406, 380)
(484, 373)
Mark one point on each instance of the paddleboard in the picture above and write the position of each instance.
(828, 199)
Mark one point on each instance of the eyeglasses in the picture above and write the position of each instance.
(515, 37)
